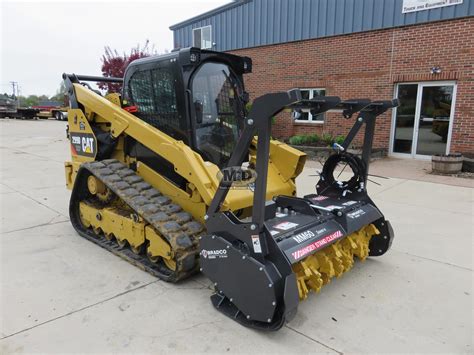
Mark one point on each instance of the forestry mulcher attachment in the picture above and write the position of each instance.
(175, 177)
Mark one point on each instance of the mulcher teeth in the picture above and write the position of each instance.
(317, 270)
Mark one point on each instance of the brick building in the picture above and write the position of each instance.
(356, 49)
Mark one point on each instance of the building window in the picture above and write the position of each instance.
(202, 37)
(306, 116)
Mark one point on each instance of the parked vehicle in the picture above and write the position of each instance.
(9, 109)
(52, 109)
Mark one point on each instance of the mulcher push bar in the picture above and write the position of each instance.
(270, 105)
(103, 79)
(70, 79)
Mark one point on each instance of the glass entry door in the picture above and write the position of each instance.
(422, 122)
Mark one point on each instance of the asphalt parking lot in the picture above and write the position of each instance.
(60, 293)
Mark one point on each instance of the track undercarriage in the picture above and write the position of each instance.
(121, 212)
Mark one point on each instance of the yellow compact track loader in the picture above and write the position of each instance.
(175, 176)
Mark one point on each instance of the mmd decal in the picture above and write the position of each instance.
(84, 144)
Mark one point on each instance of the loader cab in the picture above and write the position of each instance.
(193, 95)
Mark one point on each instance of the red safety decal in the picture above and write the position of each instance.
(319, 198)
(131, 109)
(316, 245)
(73, 150)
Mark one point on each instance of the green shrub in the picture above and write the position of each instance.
(339, 139)
(313, 138)
(303, 139)
(327, 139)
(296, 140)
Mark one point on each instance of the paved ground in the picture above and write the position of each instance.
(60, 293)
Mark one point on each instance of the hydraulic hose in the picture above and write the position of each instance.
(357, 166)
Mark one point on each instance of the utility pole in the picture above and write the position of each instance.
(15, 92)
(18, 90)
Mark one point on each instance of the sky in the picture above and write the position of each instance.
(41, 40)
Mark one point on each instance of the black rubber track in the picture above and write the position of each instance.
(169, 220)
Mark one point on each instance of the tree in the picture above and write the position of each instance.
(60, 95)
(32, 100)
(29, 101)
(114, 64)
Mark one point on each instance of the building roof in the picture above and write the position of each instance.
(213, 12)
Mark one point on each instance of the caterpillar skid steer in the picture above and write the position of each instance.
(175, 176)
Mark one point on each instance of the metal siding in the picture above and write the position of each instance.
(410, 18)
(271, 21)
(377, 18)
(397, 12)
(348, 16)
(262, 22)
(447, 12)
(251, 26)
(367, 15)
(284, 21)
(245, 27)
(331, 18)
(435, 14)
(228, 28)
(218, 31)
(306, 23)
(233, 28)
(358, 15)
(466, 8)
(212, 23)
(258, 21)
(422, 16)
(176, 39)
(299, 19)
(182, 37)
(188, 36)
(339, 17)
(322, 18)
(291, 20)
(388, 13)
(314, 19)
(277, 27)
(239, 26)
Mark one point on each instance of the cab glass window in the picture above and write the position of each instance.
(216, 93)
(154, 94)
